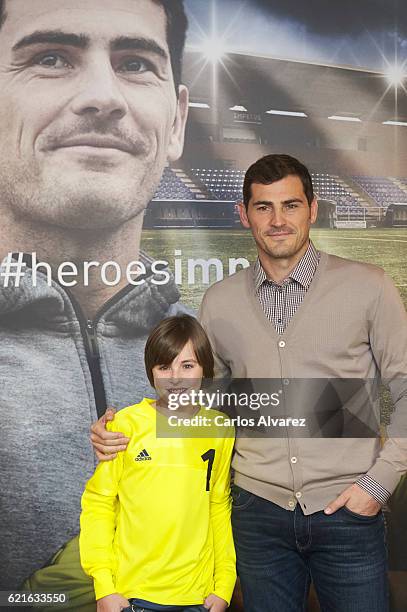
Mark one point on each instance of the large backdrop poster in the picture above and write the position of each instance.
(118, 206)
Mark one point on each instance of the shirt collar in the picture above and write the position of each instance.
(303, 273)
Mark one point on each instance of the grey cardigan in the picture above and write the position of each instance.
(351, 324)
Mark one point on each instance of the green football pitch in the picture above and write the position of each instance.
(384, 247)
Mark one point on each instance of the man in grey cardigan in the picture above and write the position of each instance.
(308, 509)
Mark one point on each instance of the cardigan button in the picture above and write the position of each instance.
(281, 344)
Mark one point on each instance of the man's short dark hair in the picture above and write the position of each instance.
(169, 337)
(177, 24)
(272, 168)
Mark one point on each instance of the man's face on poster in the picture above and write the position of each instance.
(89, 114)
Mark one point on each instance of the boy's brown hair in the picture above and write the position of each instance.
(168, 339)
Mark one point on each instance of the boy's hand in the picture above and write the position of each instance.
(107, 443)
(112, 603)
(215, 603)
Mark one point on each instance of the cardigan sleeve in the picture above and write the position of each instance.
(388, 340)
(222, 369)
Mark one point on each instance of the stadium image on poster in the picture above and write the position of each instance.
(122, 163)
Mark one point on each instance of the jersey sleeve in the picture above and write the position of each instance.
(97, 522)
(224, 550)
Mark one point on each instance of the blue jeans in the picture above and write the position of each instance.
(280, 551)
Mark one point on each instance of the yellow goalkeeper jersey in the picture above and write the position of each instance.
(155, 522)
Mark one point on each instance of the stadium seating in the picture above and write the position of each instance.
(333, 188)
(226, 184)
(382, 190)
(403, 181)
(223, 184)
(172, 188)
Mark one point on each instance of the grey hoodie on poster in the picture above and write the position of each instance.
(57, 371)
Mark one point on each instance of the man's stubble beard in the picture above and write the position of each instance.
(90, 201)
(283, 251)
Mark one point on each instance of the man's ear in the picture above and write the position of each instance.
(176, 143)
(314, 210)
(244, 220)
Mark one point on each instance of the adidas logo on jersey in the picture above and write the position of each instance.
(143, 456)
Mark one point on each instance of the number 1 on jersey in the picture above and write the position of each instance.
(209, 456)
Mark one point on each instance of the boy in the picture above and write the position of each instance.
(155, 526)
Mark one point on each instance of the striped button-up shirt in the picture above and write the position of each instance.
(280, 301)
